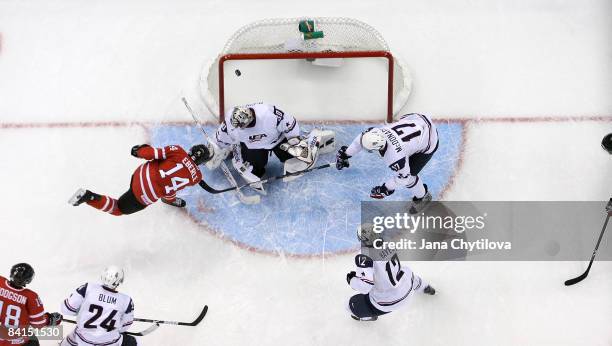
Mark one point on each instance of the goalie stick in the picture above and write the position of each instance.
(603, 230)
(212, 190)
(254, 199)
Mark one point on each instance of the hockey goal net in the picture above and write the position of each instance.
(341, 65)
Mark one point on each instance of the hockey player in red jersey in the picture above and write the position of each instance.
(21, 307)
(167, 170)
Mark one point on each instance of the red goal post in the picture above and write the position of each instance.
(344, 38)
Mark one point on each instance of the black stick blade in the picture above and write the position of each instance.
(200, 318)
(576, 279)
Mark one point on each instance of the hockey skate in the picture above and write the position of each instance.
(178, 202)
(420, 204)
(429, 290)
(81, 196)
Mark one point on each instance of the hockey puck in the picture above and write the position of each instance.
(606, 143)
(237, 72)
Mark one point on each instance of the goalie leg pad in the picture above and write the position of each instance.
(327, 140)
(246, 170)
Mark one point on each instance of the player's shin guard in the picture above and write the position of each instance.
(106, 204)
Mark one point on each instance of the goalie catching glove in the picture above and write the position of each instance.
(298, 147)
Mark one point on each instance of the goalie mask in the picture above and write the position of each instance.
(112, 277)
(200, 154)
(242, 117)
(373, 139)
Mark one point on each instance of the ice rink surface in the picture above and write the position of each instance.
(521, 88)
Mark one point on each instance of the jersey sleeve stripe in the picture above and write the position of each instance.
(144, 193)
(37, 315)
(163, 153)
(155, 153)
(68, 306)
(70, 341)
(106, 203)
(413, 184)
(38, 323)
(112, 207)
(155, 198)
(367, 281)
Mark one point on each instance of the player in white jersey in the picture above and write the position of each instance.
(103, 314)
(255, 130)
(406, 146)
(384, 285)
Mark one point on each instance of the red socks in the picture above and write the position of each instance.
(106, 204)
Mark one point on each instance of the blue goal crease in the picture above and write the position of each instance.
(316, 213)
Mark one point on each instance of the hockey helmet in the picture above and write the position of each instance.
(199, 154)
(373, 139)
(366, 235)
(606, 143)
(21, 275)
(112, 277)
(242, 117)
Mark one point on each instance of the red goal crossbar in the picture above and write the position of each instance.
(307, 55)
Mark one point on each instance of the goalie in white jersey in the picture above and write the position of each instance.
(255, 130)
(103, 314)
(384, 285)
(406, 146)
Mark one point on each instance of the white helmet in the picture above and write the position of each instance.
(242, 117)
(112, 277)
(366, 234)
(373, 139)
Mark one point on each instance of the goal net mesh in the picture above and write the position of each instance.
(278, 36)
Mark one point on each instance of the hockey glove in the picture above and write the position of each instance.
(342, 159)
(379, 192)
(54, 318)
(349, 276)
(136, 148)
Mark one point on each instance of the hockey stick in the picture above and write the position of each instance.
(142, 333)
(254, 199)
(584, 275)
(210, 189)
(190, 324)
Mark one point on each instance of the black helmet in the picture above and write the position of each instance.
(199, 153)
(21, 275)
(606, 143)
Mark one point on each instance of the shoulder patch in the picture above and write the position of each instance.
(363, 261)
(130, 307)
(82, 290)
(279, 115)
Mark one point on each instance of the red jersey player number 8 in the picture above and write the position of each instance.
(12, 314)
